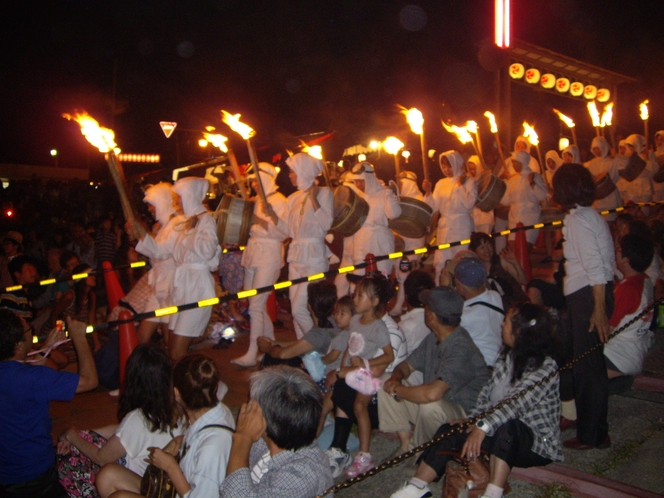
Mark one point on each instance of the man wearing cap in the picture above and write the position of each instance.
(483, 311)
(12, 246)
(453, 368)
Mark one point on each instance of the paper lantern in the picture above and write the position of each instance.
(517, 71)
(533, 76)
(562, 85)
(603, 95)
(563, 143)
(576, 89)
(590, 92)
(548, 81)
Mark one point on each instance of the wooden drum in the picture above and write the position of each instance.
(604, 187)
(490, 190)
(234, 216)
(634, 168)
(414, 220)
(350, 211)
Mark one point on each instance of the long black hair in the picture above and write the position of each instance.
(533, 329)
(148, 387)
(321, 298)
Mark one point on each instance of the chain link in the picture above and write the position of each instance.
(470, 421)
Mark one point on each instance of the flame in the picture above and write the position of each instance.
(217, 140)
(643, 108)
(233, 121)
(392, 145)
(102, 138)
(607, 115)
(471, 126)
(565, 119)
(315, 151)
(594, 113)
(415, 120)
(530, 134)
(492, 121)
(460, 132)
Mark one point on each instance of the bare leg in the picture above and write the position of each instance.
(113, 479)
(178, 345)
(360, 408)
(499, 471)
(328, 406)
(404, 439)
(426, 473)
(145, 331)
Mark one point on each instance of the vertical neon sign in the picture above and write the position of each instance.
(502, 18)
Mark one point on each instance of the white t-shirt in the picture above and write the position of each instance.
(134, 432)
(484, 324)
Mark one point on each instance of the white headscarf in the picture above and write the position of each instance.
(573, 150)
(409, 184)
(636, 141)
(160, 196)
(478, 164)
(524, 158)
(602, 145)
(553, 155)
(522, 139)
(371, 183)
(192, 191)
(268, 177)
(455, 160)
(306, 167)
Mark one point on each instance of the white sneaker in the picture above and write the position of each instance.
(338, 461)
(409, 490)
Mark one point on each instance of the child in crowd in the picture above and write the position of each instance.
(368, 335)
(343, 312)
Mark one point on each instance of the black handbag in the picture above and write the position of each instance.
(156, 483)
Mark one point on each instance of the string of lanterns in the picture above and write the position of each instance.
(549, 81)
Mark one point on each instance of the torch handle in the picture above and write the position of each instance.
(542, 165)
(574, 136)
(500, 151)
(397, 168)
(118, 178)
(254, 162)
(425, 163)
(244, 191)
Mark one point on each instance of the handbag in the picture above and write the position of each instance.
(314, 365)
(467, 478)
(363, 381)
(156, 483)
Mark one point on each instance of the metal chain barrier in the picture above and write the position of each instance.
(470, 421)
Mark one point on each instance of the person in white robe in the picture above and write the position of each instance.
(310, 216)
(263, 258)
(162, 204)
(524, 193)
(374, 236)
(407, 182)
(641, 188)
(194, 246)
(484, 221)
(571, 154)
(341, 280)
(454, 197)
(603, 165)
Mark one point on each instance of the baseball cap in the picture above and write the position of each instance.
(443, 301)
(471, 272)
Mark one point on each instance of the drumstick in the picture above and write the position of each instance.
(117, 174)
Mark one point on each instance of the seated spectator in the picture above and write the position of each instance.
(503, 271)
(148, 418)
(205, 448)
(625, 352)
(321, 298)
(483, 311)
(454, 373)
(274, 451)
(412, 322)
(24, 273)
(522, 433)
(12, 246)
(27, 458)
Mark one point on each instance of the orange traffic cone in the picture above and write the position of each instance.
(521, 250)
(114, 290)
(272, 306)
(128, 341)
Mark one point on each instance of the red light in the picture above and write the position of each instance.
(10, 213)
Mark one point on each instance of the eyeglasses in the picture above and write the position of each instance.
(363, 167)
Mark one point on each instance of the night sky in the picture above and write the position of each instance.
(293, 68)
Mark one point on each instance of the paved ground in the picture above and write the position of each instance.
(636, 421)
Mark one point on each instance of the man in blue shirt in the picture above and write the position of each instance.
(27, 457)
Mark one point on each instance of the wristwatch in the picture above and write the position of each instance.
(480, 424)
